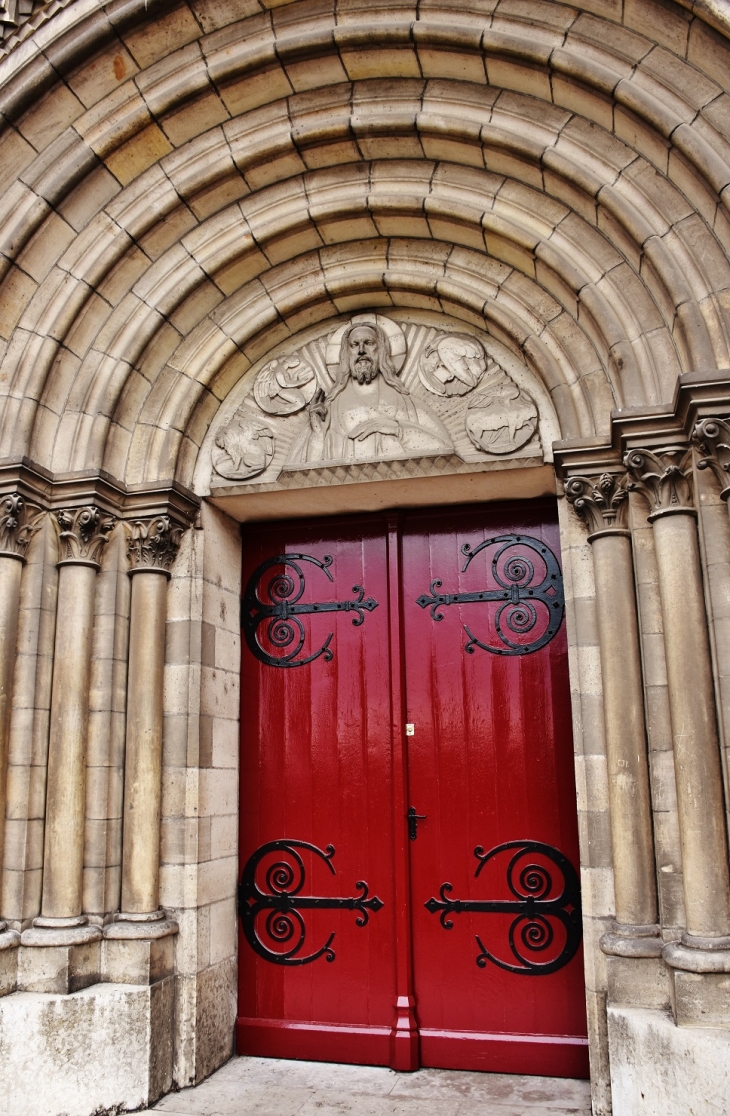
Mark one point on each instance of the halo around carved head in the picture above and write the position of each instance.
(391, 329)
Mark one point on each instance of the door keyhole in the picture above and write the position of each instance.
(413, 820)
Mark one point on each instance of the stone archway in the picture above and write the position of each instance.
(187, 189)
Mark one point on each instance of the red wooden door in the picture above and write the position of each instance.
(340, 954)
(316, 771)
(490, 763)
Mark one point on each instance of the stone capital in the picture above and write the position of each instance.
(83, 534)
(153, 543)
(712, 438)
(600, 501)
(664, 478)
(19, 521)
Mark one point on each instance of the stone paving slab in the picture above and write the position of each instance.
(274, 1087)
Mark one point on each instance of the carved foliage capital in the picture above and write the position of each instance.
(18, 523)
(83, 533)
(152, 544)
(712, 437)
(600, 501)
(663, 478)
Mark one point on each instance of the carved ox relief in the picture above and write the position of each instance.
(376, 390)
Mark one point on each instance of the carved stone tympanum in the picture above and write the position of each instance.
(372, 391)
(83, 534)
(601, 502)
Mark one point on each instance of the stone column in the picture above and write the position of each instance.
(664, 479)
(152, 547)
(83, 534)
(601, 502)
(16, 529)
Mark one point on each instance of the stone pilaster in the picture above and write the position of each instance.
(151, 547)
(601, 501)
(663, 478)
(83, 533)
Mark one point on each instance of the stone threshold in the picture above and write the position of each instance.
(248, 1086)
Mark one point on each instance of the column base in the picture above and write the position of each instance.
(126, 960)
(636, 975)
(698, 955)
(58, 968)
(626, 940)
(71, 931)
(697, 968)
(142, 927)
(9, 942)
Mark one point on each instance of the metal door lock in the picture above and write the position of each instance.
(413, 820)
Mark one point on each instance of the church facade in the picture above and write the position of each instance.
(364, 543)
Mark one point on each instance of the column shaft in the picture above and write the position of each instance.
(623, 703)
(143, 764)
(65, 794)
(694, 728)
(10, 573)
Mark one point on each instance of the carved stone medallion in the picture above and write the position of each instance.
(243, 449)
(501, 417)
(284, 386)
(452, 364)
(372, 391)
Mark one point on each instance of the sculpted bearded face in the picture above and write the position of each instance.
(363, 354)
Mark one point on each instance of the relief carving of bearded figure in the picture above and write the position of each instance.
(369, 414)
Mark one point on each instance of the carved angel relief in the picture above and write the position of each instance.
(376, 390)
(284, 386)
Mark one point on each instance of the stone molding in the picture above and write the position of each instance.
(663, 478)
(152, 544)
(70, 493)
(83, 534)
(698, 396)
(19, 521)
(698, 959)
(601, 502)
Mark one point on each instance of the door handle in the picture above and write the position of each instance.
(413, 820)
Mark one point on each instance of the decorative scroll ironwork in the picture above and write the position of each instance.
(281, 610)
(515, 579)
(279, 905)
(537, 910)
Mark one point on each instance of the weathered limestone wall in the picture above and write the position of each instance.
(200, 790)
(597, 884)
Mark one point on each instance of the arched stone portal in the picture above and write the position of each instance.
(191, 191)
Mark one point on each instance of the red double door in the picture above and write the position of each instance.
(409, 853)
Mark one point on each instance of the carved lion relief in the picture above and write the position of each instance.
(376, 390)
